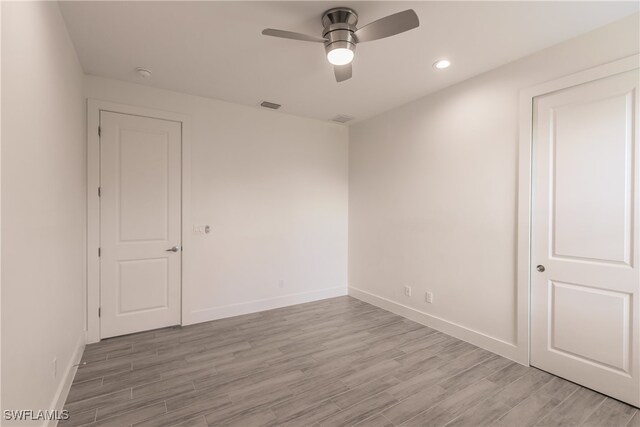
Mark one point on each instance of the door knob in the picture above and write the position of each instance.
(540, 268)
(174, 249)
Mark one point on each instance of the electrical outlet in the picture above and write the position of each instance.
(429, 297)
(281, 284)
(407, 291)
(54, 368)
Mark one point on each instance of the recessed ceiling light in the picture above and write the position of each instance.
(441, 64)
(143, 72)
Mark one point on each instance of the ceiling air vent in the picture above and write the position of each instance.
(341, 118)
(270, 105)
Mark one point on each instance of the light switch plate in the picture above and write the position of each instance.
(201, 229)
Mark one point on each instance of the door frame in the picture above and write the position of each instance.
(525, 171)
(94, 106)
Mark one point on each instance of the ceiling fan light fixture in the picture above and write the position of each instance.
(340, 56)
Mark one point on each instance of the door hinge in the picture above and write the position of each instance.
(99, 251)
(99, 191)
(99, 312)
(99, 131)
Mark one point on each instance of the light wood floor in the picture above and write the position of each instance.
(328, 363)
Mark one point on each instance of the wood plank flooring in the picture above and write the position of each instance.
(335, 362)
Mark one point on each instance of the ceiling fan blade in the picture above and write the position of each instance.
(291, 35)
(388, 26)
(342, 72)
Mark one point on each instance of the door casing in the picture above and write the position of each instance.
(93, 203)
(525, 171)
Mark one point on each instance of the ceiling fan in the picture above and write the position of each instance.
(340, 34)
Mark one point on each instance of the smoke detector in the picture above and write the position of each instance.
(143, 72)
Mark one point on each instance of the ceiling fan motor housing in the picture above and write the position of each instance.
(339, 25)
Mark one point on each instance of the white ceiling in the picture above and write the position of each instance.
(215, 49)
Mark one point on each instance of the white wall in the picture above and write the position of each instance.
(433, 191)
(273, 188)
(43, 205)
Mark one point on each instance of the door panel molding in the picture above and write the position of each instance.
(94, 106)
(560, 190)
(563, 340)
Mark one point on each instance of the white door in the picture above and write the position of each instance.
(140, 209)
(585, 277)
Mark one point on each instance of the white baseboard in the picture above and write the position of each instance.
(495, 345)
(214, 313)
(65, 385)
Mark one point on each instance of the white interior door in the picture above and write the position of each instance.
(585, 278)
(140, 210)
